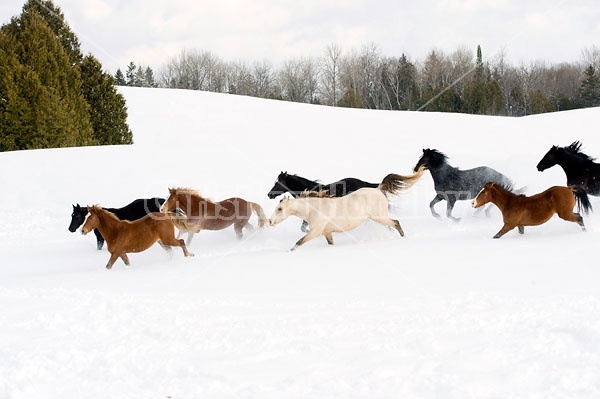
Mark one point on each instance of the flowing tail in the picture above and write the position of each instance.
(262, 219)
(583, 201)
(394, 183)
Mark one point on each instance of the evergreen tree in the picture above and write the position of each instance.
(149, 77)
(108, 113)
(589, 91)
(475, 90)
(130, 74)
(120, 78)
(47, 86)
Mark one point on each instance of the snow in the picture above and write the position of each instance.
(445, 312)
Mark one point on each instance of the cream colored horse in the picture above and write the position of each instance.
(326, 215)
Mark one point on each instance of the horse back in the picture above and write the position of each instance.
(348, 185)
(138, 208)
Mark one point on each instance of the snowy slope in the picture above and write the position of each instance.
(445, 312)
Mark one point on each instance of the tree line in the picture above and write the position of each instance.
(51, 95)
(460, 81)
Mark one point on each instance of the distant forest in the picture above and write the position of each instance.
(460, 81)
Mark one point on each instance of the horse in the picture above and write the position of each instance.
(132, 211)
(452, 184)
(519, 210)
(123, 236)
(581, 170)
(204, 214)
(326, 214)
(296, 185)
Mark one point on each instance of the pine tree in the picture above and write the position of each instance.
(149, 77)
(130, 74)
(120, 78)
(108, 113)
(589, 91)
(475, 90)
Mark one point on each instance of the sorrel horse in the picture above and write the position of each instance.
(519, 210)
(204, 214)
(326, 215)
(452, 184)
(132, 211)
(581, 170)
(123, 236)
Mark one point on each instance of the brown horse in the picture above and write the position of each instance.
(204, 214)
(520, 211)
(123, 236)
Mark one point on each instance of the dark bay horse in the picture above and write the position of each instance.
(520, 211)
(581, 170)
(295, 185)
(453, 184)
(132, 211)
(204, 214)
(123, 236)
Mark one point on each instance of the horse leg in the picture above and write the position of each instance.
(112, 260)
(505, 229)
(572, 217)
(449, 206)
(313, 233)
(175, 242)
(99, 239)
(189, 238)
(125, 259)
(238, 230)
(521, 229)
(329, 238)
(304, 226)
(434, 201)
(390, 223)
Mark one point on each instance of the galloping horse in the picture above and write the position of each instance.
(580, 169)
(204, 214)
(296, 185)
(326, 214)
(133, 211)
(123, 236)
(520, 211)
(452, 184)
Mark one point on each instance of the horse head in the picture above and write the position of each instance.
(279, 187)
(92, 221)
(484, 196)
(281, 212)
(431, 158)
(549, 160)
(77, 217)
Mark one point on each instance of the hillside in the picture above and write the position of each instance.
(445, 312)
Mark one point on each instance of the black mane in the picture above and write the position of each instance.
(575, 149)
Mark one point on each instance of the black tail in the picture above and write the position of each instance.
(583, 201)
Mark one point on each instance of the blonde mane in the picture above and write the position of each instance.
(315, 194)
(190, 192)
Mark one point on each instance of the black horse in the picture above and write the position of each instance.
(133, 211)
(295, 185)
(580, 169)
(452, 184)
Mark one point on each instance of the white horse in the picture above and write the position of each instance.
(326, 215)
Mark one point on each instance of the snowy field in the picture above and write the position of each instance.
(445, 312)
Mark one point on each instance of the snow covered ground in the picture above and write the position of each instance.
(445, 312)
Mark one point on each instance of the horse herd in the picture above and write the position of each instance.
(342, 205)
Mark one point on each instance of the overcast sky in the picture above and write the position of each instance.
(148, 32)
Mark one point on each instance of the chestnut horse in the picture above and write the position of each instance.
(520, 211)
(123, 236)
(204, 214)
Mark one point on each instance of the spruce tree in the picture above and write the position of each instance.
(589, 91)
(108, 113)
(120, 78)
(130, 74)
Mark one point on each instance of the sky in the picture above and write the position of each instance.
(150, 32)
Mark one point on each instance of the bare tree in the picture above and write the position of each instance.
(329, 67)
(298, 80)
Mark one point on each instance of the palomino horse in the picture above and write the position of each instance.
(326, 215)
(453, 184)
(520, 211)
(581, 170)
(132, 211)
(124, 237)
(204, 214)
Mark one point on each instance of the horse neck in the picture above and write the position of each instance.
(299, 207)
(108, 226)
(441, 171)
(572, 164)
(501, 197)
(191, 203)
